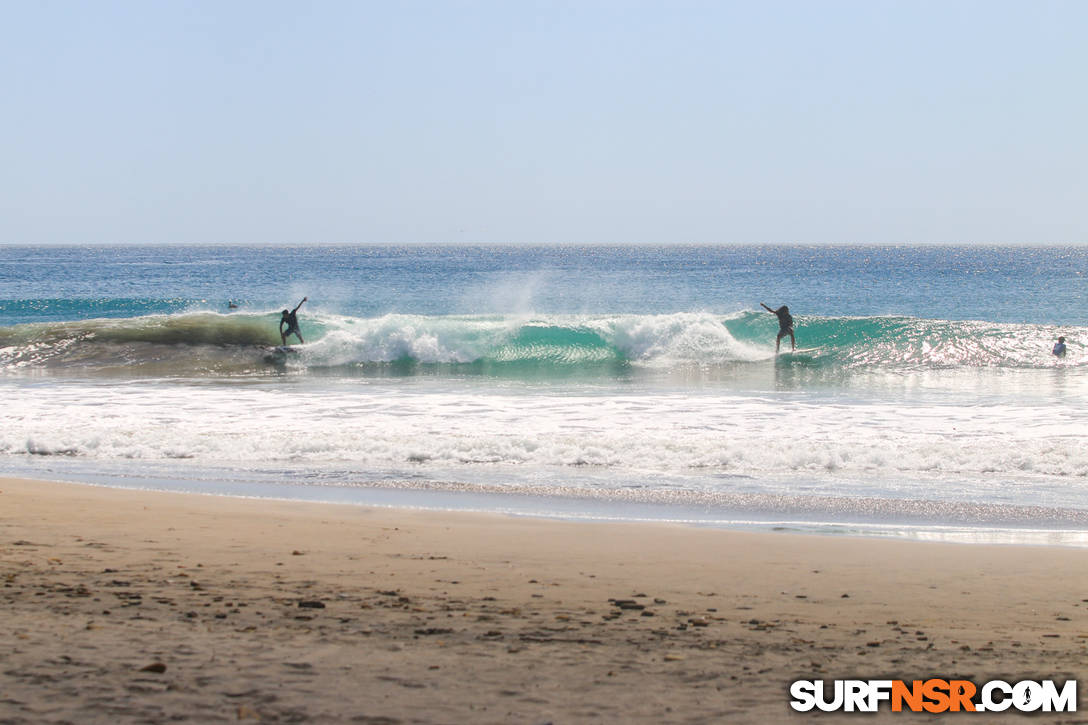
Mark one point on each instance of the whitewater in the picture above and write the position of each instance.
(566, 382)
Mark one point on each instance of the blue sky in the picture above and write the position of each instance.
(589, 121)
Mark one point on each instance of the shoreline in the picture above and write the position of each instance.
(842, 516)
(273, 610)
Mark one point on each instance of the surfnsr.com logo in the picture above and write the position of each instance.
(933, 695)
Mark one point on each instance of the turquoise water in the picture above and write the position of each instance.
(604, 382)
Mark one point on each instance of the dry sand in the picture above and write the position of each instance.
(128, 606)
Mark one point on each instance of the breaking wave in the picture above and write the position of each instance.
(205, 343)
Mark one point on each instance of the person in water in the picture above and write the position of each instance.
(291, 320)
(785, 326)
(1059, 349)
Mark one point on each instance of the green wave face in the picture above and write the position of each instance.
(902, 343)
(555, 345)
(210, 343)
(201, 328)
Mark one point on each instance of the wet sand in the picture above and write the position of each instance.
(128, 606)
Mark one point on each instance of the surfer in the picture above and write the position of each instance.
(291, 320)
(1059, 349)
(785, 326)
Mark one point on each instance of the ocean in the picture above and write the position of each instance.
(624, 383)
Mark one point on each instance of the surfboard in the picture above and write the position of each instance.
(801, 356)
(278, 355)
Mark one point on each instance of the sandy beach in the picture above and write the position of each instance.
(129, 606)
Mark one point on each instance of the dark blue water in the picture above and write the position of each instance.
(1033, 285)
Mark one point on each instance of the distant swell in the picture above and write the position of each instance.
(212, 344)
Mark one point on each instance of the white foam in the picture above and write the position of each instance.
(676, 338)
(1006, 452)
(655, 340)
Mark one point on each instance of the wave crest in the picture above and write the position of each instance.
(210, 343)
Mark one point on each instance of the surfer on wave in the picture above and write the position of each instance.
(785, 326)
(291, 320)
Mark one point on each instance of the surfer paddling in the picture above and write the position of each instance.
(785, 326)
(291, 320)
